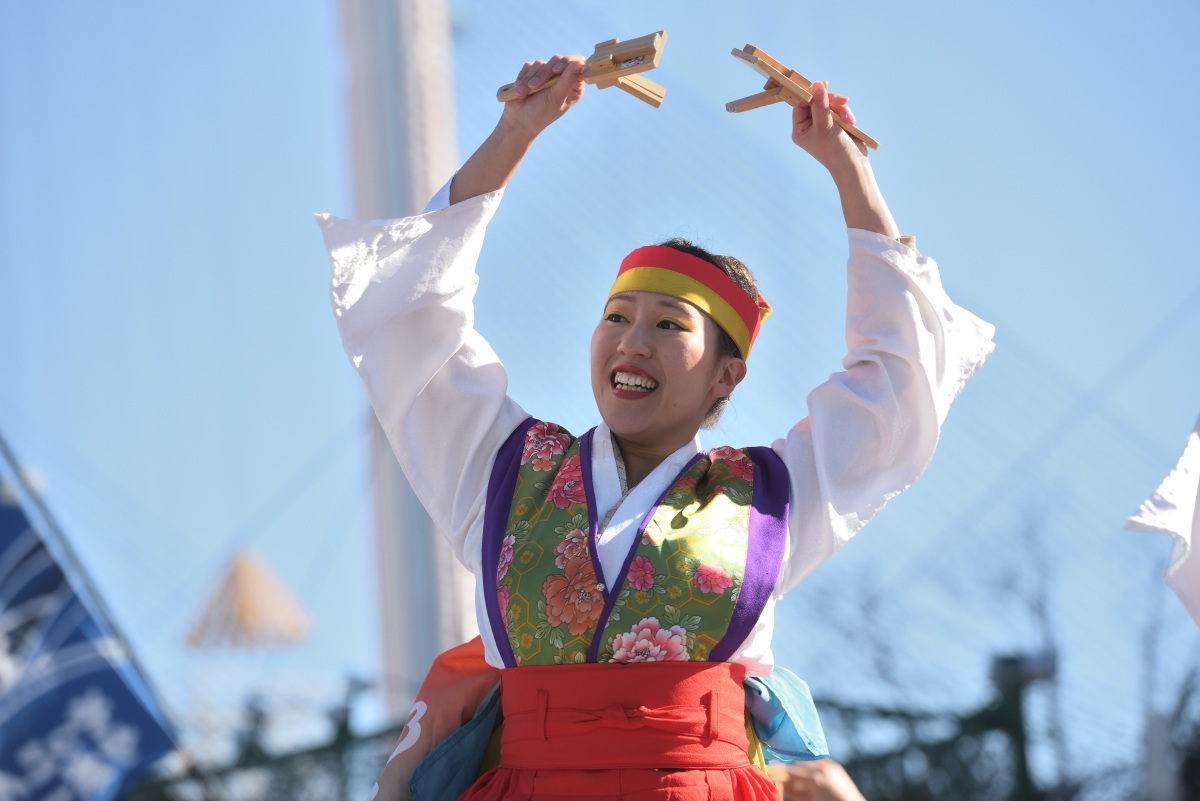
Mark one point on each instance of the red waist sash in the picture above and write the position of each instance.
(660, 715)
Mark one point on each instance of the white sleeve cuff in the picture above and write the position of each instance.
(440, 200)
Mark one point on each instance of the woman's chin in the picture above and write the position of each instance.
(646, 433)
(627, 424)
(644, 423)
(623, 427)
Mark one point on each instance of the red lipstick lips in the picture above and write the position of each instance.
(632, 383)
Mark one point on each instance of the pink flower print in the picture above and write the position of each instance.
(641, 574)
(574, 546)
(568, 484)
(684, 484)
(542, 441)
(711, 579)
(506, 556)
(502, 595)
(650, 642)
(738, 462)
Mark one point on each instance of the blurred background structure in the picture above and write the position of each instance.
(403, 144)
(169, 363)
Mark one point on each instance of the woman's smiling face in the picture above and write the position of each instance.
(657, 368)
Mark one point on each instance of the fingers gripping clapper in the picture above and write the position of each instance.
(783, 86)
(616, 63)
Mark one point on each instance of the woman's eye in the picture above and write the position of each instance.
(614, 317)
(670, 325)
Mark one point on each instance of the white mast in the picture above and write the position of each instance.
(403, 148)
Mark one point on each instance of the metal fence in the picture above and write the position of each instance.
(893, 755)
(343, 770)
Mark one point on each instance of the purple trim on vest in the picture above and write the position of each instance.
(764, 551)
(501, 487)
(614, 593)
(585, 468)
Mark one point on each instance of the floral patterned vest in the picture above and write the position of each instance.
(702, 565)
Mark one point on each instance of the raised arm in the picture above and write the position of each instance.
(872, 428)
(493, 165)
(846, 159)
(403, 294)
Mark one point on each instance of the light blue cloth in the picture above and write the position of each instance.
(452, 767)
(785, 717)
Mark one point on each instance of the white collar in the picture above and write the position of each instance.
(607, 485)
(625, 511)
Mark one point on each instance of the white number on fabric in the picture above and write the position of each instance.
(414, 729)
(412, 733)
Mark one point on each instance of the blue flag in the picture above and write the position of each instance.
(77, 721)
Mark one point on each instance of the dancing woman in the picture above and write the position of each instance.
(627, 578)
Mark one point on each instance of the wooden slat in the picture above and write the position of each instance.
(599, 67)
(756, 101)
(620, 51)
(643, 89)
(649, 48)
(509, 90)
(596, 77)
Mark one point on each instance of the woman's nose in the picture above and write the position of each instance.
(635, 342)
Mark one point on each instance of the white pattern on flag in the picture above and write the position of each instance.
(1174, 509)
(87, 752)
(78, 721)
(11, 788)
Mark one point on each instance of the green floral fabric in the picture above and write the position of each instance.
(678, 594)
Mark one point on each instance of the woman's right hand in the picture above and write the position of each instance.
(493, 165)
(532, 112)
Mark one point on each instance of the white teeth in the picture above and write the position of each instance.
(633, 382)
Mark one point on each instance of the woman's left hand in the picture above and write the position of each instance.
(823, 780)
(814, 129)
(844, 156)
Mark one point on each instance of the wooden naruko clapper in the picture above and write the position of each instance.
(615, 63)
(783, 86)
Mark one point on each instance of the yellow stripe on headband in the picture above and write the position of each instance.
(677, 285)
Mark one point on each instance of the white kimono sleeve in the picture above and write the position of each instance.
(402, 292)
(872, 429)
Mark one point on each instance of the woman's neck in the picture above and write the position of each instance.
(640, 460)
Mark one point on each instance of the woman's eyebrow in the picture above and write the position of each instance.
(681, 307)
(665, 302)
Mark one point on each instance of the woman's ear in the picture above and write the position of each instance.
(730, 372)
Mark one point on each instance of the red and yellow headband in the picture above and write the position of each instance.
(667, 271)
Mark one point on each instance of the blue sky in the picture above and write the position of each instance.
(168, 359)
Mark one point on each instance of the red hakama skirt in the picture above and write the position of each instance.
(647, 732)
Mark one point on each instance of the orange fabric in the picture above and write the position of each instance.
(453, 689)
(658, 731)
